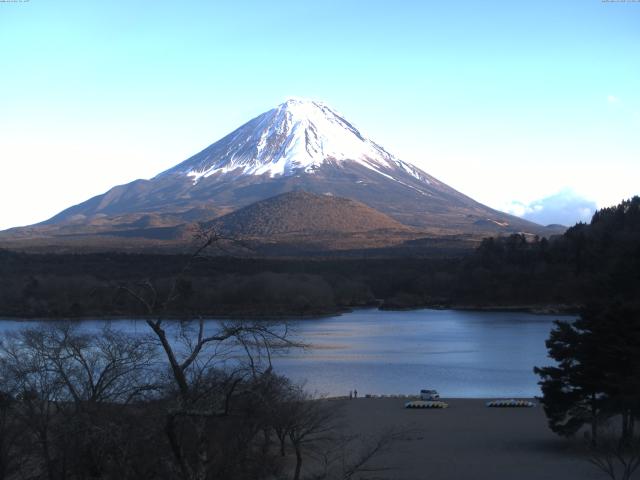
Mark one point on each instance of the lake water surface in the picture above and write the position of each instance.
(458, 353)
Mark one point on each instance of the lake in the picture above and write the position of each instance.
(459, 353)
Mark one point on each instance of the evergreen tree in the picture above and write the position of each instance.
(572, 391)
(597, 373)
(619, 332)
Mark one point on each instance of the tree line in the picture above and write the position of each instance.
(595, 382)
(518, 271)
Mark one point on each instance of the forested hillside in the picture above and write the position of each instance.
(590, 261)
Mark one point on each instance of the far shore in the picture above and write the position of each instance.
(542, 309)
(466, 441)
(283, 316)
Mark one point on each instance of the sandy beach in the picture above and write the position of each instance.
(467, 441)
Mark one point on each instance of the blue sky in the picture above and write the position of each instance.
(509, 102)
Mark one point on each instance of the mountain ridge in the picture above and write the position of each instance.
(299, 145)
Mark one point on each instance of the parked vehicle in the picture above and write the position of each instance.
(429, 395)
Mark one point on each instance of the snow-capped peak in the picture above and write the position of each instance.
(298, 135)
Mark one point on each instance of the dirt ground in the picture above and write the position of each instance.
(467, 441)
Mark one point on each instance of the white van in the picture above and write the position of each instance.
(429, 395)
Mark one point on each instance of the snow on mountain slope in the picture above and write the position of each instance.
(297, 135)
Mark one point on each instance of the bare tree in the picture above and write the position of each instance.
(194, 352)
(311, 424)
(27, 373)
(109, 366)
(194, 357)
(617, 456)
(10, 436)
(349, 456)
(65, 384)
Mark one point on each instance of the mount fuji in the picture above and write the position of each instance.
(301, 145)
(299, 136)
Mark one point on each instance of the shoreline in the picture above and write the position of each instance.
(174, 318)
(544, 309)
(367, 396)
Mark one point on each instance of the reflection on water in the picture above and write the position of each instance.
(459, 353)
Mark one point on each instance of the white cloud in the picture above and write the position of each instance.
(565, 208)
(612, 99)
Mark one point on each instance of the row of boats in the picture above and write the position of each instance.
(431, 399)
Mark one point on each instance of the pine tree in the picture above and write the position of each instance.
(572, 391)
(597, 375)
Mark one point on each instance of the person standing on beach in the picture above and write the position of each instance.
(355, 394)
